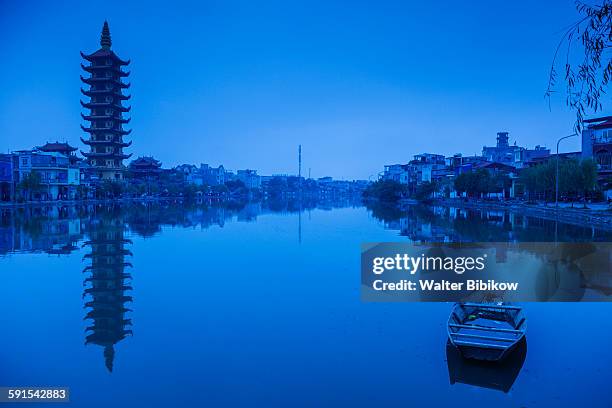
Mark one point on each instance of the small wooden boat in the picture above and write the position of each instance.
(484, 331)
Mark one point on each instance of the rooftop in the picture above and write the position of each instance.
(605, 122)
(56, 147)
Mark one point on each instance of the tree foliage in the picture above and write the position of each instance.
(576, 179)
(481, 182)
(385, 190)
(588, 74)
(29, 184)
(425, 191)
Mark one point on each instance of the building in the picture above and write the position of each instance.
(7, 186)
(190, 174)
(597, 145)
(396, 172)
(61, 148)
(544, 159)
(57, 178)
(145, 168)
(458, 160)
(105, 116)
(249, 178)
(423, 166)
(502, 152)
(213, 176)
(514, 155)
(530, 155)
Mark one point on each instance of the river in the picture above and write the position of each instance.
(169, 304)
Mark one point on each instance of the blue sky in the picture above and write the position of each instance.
(358, 84)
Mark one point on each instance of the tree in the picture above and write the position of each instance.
(276, 187)
(586, 80)
(385, 190)
(425, 191)
(29, 184)
(461, 183)
(529, 178)
(576, 178)
(588, 176)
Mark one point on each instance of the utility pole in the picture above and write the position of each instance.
(300, 161)
(300, 193)
(300, 169)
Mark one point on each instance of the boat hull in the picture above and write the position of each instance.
(486, 332)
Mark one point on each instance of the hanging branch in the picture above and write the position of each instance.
(586, 81)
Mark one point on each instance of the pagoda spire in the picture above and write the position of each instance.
(105, 38)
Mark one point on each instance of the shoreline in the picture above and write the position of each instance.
(82, 202)
(596, 218)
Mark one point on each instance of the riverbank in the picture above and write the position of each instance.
(595, 215)
(11, 204)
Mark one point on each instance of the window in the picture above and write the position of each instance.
(605, 136)
(604, 158)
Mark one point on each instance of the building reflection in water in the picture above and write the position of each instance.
(52, 230)
(568, 273)
(59, 230)
(106, 284)
(446, 224)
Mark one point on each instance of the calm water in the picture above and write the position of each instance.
(171, 305)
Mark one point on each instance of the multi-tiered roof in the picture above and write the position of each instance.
(106, 110)
(107, 286)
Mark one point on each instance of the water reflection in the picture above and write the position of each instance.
(53, 230)
(486, 374)
(448, 224)
(106, 283)
(103, 230)
(247, 310)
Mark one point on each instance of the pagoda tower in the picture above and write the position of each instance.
(105, 116)
(107, 283)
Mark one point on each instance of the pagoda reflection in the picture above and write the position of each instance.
(106, 284)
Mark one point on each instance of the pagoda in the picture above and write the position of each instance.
(107, 283)
(105, 116)
(145, 168)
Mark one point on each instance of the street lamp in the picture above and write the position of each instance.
(557, 170)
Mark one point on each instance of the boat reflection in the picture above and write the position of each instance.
(486, 374)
